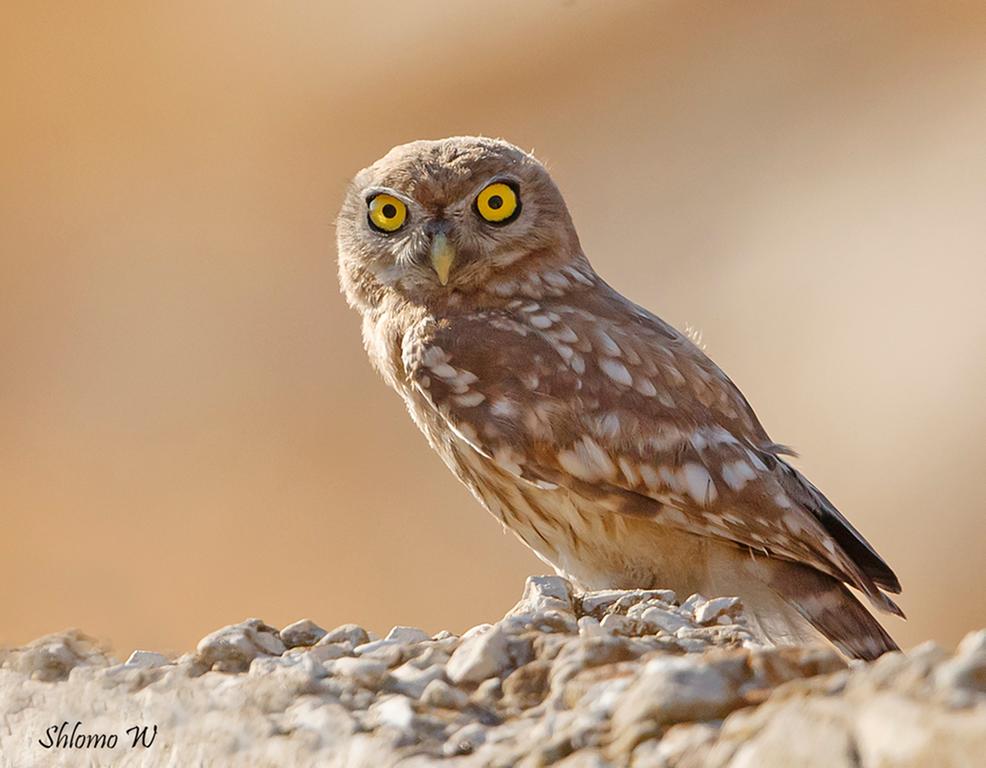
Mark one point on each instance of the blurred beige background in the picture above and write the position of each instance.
(189, 431)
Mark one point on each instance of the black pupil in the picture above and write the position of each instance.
(495, 202)
(389, 211)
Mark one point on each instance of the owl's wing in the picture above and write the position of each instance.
(608, 401)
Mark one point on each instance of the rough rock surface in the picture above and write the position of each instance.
(589, 680)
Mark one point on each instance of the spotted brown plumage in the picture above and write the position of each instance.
(604, 438)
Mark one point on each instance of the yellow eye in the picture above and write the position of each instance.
(386, 213)
(498, 203)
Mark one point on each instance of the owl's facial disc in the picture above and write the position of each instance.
(446, 231)
(433, 220)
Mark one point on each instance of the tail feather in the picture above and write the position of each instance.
(860, 551)
(830, 608)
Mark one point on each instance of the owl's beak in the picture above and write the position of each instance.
(442, 256)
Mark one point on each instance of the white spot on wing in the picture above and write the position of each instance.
(605, 343)
(793, 522)
(470, 400)
(565, 334)
(629, 471)
(555, 279)
(609, 426)
(736, 474)
(698, 483)
(433, 356)
(650, 476)
(586, 460)
(616, 371)
(508, 459)
(444, 371)
(503, 408)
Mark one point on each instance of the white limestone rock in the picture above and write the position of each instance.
(232, 648)
(717, 608)
(53, 657)
(147, 659)
(365, 672)
(407, 635)
(302, 633)
(479, 657)
(610, 678)
(353, 634)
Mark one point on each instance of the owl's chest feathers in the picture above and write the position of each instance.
(591, 546)
(540, 521)
(383, 333)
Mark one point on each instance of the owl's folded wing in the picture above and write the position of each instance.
(630, 414)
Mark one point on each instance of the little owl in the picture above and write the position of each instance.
(601, 436)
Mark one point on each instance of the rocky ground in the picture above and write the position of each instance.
(575, 680)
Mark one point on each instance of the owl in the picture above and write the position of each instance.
(602, 437)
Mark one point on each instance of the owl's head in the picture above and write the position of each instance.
(441, 220)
